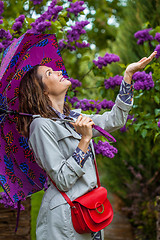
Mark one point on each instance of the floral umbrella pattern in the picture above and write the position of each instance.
(20, 176)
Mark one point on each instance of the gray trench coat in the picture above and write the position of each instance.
(53, 144)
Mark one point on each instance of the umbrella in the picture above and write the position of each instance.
(20, 176)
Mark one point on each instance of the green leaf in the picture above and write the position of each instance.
(85, 58)
(157, 112)
(64, 14)
(95, 71)
(156, 135)
(156, 99)
(98, 83)
(90, 65)
(137, 126)
(62, 21)
(102, 92)
(144, 133)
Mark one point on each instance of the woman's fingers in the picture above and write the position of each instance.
(85, 120)
(145, 61)
(144, 58)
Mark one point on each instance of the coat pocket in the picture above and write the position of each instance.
(56, 201)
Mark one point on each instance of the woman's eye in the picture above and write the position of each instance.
(49, 73)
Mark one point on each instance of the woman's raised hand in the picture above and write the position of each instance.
(134, 67)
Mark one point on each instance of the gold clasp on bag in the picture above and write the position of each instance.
(102, 209)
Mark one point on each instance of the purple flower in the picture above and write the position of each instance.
(157, 37)
(123, 129)
(106, 104)
(51, 14)
(158, 123)
(17, 26)
(1, 47)
(5, 34)
(76, 31)
(7, 202)
(158, 51)
(1, 7)
(82, 45)
(35, 2)
(86, 104)
(143, 80)
(20, 18)
(1, 21)
(112, 82)
(75, 83)
(73, 35)
(75, 8)
(66, 45)
(105, 149)
(107, 59)
(143, 35)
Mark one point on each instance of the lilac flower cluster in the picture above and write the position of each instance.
(18, 23)
(158, 51)
(44, 21)
(73, 35)
(6, 201)
(105, 149)
(112, 82)
(107, 59)
(124, 128)
(157, 37)
(143, 35)
(1, 9)
(75, 83)
(76, 31)
(82, 45)
(143, 80)
(6, 36)
(86, 104)
(66, 45)
(158, 123)
(75, 8)
(36, 2)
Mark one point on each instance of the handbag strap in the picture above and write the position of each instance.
(65, 195)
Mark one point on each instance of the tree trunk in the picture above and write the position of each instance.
(8, 218)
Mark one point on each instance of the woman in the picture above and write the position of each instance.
(64, 150)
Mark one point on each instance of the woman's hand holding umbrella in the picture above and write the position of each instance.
(83, 126)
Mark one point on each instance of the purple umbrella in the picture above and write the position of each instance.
(20, 176)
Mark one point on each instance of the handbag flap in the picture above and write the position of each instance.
(93, 198)
(102, 212)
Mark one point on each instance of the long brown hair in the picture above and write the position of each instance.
(33, 99)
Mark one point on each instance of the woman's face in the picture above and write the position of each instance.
(54, 81)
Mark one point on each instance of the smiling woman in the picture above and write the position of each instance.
(38, 102)
(55, 84)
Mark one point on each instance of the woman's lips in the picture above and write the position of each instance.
(63, 79)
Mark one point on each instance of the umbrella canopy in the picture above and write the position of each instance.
(20, 176)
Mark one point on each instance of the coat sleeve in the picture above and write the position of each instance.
(64, 172)
(114, 119)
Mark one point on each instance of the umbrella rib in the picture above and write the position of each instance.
(3, 118)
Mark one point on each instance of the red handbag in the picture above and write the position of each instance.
(92, 211)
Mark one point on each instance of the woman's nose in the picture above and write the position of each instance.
(59, 73)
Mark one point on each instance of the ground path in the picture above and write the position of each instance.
(120, 228)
